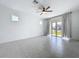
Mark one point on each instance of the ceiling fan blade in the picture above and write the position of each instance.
(41, 13)
(47, 7)
(49, 11)
(35, 1)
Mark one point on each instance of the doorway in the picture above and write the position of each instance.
(56, 27)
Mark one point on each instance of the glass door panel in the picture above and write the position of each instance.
(59, 29)
(54, 29)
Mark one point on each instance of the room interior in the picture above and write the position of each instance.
(39, 28)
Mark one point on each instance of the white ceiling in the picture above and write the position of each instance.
(58, 6)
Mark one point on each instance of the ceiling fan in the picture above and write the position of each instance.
(42, 8)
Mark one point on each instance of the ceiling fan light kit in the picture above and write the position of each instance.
(43, 9)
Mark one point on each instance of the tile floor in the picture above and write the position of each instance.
(40, 47)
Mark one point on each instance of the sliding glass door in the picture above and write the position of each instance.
(57, 29)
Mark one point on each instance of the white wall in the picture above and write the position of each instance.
(27, 27)
(75, 25)
(46, 27)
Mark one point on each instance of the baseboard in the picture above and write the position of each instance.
(20, 39)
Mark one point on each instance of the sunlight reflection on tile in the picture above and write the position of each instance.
(57, 45)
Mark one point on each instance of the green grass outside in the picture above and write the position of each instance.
(59, 33)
